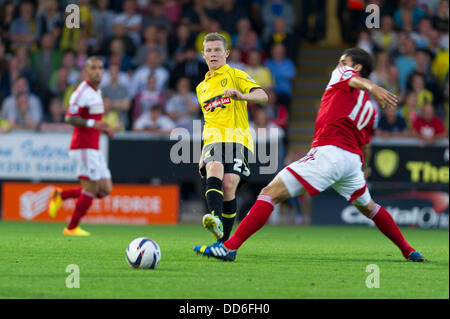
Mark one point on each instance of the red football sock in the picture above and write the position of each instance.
(71, 193)
(259, 214)
(81, 208)
(389, 228)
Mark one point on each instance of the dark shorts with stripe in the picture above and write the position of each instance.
(233, 156)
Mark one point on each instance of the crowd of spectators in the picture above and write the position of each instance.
(152, 56)
(411, 54)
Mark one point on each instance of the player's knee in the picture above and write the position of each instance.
(272, 192)
(229, 186)
(214, 168)
(366, 210)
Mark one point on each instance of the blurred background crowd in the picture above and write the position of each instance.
(151, 51)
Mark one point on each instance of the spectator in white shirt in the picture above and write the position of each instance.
(131, 20)
(154, 122)
(9, 105)
(22, 117)
(183, 107)
(152, 67)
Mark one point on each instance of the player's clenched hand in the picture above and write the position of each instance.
(234, 94)
(384, 97)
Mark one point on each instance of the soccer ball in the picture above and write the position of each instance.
(143, 253)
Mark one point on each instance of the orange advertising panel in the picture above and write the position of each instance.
(127, 204)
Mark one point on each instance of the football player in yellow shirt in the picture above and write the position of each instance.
(223, 97)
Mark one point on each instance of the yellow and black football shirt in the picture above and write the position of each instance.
(226, 119)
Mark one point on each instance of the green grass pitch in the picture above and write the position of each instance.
(277, 262)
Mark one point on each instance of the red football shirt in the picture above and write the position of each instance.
(346, 117)
(86, 101)
(429, 129)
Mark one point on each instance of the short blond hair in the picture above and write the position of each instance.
(214, 36)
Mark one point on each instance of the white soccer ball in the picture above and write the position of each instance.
(143, 253)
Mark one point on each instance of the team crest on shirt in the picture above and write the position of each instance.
(215, 102)
(223, 82)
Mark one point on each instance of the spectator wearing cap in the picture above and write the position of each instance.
(154, 121)
(428, 126)
(391, 124)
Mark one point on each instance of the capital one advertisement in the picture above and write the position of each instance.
(127, 204)
(422, 209)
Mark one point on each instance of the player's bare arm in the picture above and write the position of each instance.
(383, 97)
(255, 96)
(99, 125)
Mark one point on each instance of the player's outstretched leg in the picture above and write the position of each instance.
(259, 214)
(57, 197)
(386, 224)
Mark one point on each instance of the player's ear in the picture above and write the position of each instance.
(227, 53)
(358, 68)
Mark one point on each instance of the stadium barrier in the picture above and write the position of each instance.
(411, 180)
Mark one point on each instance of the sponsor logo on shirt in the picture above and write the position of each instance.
(216, 102)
